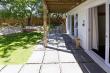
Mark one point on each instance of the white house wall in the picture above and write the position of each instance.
(82, 11)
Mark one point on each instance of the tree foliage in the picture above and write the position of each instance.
(20, 9)
(58, 19)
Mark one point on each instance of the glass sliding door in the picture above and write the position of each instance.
(72, 24)
(109, 32)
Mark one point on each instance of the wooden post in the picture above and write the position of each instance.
(64, 24)
(45, 24)
(49, 22)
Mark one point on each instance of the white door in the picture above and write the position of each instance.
(107, 59)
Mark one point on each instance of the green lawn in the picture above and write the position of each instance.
(17, 48)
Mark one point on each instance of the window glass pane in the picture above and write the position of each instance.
(109, 33)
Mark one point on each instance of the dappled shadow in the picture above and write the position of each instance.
(85, 62)
(11, 42)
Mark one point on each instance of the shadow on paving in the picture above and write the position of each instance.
(58, 49)
(85, 62)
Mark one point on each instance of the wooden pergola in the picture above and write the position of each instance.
(61, 6)
(57, 6)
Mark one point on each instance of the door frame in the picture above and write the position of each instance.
(107, 32)
(107, 53)
(73, 25)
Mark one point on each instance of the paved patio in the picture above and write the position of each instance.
(60, 56)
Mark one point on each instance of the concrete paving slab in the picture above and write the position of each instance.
(11, 69)
(49, 49)
(30, 68)
(39, 47)
(91, 68)
(61, 44)
(77, 51)
(71, 68)
(1, 67)
(66, 57)
(82, 57)
(76, 62)
(51, 57)
(63, 48)
(50, 68)
(52, 45)
(36, 57)
(60, 41)
(50, 40)
(53, 42)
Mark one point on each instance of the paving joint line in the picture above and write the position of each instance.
(42, 62)
(3, 68)
(21, 68)
(59, 63)
(59, 58)
(68, 62)
(33, 63)
(52, 63)
(38, 50)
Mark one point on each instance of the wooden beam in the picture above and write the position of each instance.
(64, 1)
(78, 3)
(45, 12)
(62, 6)
(59, 3)
(59, 9)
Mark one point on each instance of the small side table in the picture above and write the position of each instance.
(77, 41)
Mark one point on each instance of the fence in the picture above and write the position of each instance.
(34, 21)
(9, 26)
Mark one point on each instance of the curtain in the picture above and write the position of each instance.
(95, 28)
(67, 24)
(76, 25)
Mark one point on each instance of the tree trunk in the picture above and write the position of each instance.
(29, 20)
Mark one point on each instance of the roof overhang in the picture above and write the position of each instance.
(61, 6)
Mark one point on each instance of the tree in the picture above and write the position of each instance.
(21, 9)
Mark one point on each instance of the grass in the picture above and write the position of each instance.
(17, 48)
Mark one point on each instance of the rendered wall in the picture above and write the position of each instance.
(82, 11)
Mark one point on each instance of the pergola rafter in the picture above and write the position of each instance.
(61, 6)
